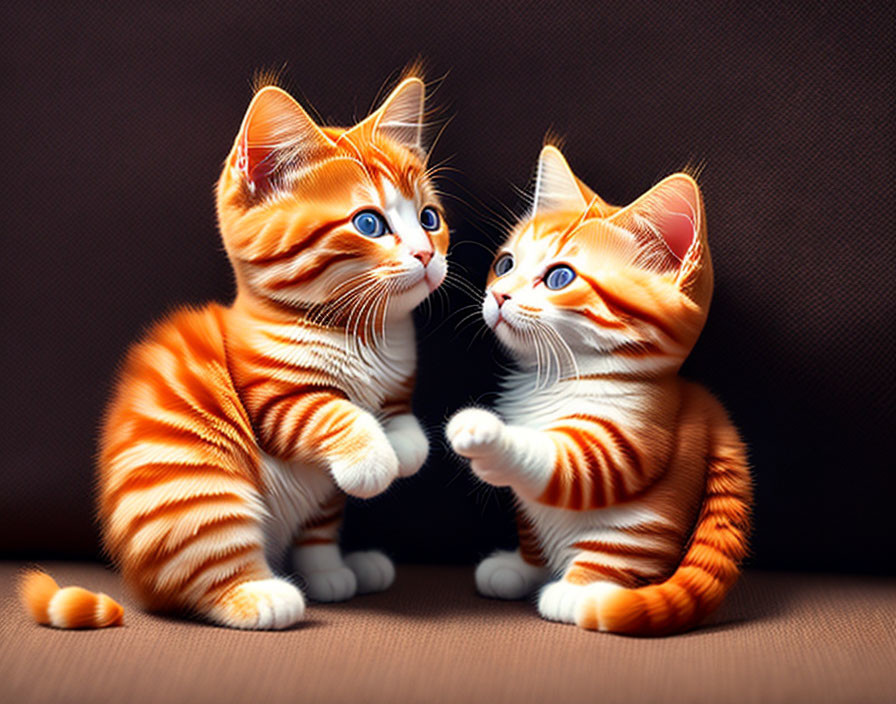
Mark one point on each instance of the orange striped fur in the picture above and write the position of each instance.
(633, 484)
(71, 607)
(235, 431)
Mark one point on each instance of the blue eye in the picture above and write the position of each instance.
(503, 264)
(559, 276)
(429, 218)
(370, 223)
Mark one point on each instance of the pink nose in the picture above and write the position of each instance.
(423, 255)
(500, 297)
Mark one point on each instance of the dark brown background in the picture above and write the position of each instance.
(115, 123)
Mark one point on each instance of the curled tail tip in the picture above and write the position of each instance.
(69, 607)
(109, 612)
(36, 588)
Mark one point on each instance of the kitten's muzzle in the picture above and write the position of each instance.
(500, 297)
(424, 255)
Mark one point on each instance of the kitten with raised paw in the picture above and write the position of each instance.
(633, 488)
(235, 432)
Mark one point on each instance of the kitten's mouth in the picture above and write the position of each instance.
(507, 325)
(428, 277)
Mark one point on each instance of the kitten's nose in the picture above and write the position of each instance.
(500, 297)
(423, 255)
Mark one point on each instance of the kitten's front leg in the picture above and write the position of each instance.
(501, 454)
(351, 442)
(409, 442)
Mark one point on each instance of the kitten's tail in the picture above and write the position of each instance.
(710, 565)
(72, 607)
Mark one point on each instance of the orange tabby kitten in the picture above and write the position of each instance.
(633, 488)
(236, 431)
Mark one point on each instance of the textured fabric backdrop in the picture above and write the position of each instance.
(778, 639)
(115, 122)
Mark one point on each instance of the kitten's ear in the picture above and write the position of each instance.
(400, 117)
(670, 217)
(556, 186)
(276, 131)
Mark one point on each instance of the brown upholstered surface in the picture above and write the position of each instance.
(780, 638)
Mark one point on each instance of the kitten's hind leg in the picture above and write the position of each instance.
(260, 604)
(561, 600)
(205, 554)
(506, 575)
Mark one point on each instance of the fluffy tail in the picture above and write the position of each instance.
(710, 564)
(72, 607)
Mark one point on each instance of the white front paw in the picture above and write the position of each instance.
(369, 468)
(558, 601)
(474, 432)
(505, 575)
(480, 436)
(373, 570)
(409, 442)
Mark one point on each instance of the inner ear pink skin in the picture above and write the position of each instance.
(257, 163)
(678, 232)
(676, 217)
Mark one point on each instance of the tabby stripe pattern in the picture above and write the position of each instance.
(596, 466)
(709, 567)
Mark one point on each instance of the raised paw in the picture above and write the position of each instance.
(337, 584)
(369, 470)
(409, 443)
(474, 432)
(264, 604)
(505, 575)
(373, 570)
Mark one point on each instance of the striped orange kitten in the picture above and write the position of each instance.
(236, 431)
(633, 487)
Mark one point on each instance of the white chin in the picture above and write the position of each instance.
(433, 283)
(410, 297)
(505, 333)
(436, 271)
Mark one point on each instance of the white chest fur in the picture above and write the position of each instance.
(369, 370)
(623, 402)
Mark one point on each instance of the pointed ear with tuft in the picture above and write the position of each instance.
(669, 215)
(276, 132)
(558, 188)
(400, 117)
